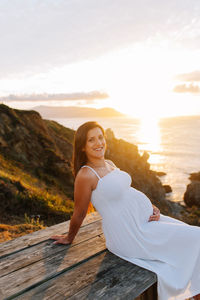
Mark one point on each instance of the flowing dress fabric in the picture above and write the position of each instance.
(168, 247)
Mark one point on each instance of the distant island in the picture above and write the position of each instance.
(76, 112)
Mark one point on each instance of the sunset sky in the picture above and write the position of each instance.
(139, 57)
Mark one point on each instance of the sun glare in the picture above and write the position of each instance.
(150, 139)
(141, 79)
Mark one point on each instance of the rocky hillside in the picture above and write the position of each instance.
(192, 200)
(192, 194)
(35, 172)
(35, 169)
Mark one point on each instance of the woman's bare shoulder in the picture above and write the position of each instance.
(85, 175)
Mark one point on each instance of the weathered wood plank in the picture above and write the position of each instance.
(122, 281)
(105, 276)
(83, 270)
(41, 235)
(44, 249)
(49, 266)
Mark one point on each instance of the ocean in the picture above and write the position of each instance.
(172, 143)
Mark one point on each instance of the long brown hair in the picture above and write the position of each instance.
(79, 156)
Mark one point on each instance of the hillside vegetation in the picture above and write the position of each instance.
(35, 169)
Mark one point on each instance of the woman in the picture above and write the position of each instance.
(134, 229)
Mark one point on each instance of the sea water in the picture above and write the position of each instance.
(172, 143)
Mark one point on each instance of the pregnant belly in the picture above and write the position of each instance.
(139, 205)
(124, 231)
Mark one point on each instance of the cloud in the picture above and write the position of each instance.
(90, 96)
(184, 88)
(191, 77)
(39, 35)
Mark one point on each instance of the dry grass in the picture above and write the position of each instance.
(9, 232)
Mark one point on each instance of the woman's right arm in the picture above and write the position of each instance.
(82, 195)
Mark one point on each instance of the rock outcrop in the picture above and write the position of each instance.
(160, 174)
(195, 176)
(167, 188)
(192, 194)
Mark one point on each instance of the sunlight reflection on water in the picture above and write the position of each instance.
(149, 139)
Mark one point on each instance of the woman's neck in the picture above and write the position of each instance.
(98, 163)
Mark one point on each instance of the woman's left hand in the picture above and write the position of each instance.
(156, 214)
(61, 239)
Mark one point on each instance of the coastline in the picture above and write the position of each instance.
(174, 149)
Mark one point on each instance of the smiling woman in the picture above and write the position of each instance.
(95, 143)
(133, 228)
(89, 139)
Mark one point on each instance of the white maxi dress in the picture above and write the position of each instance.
(168, 247)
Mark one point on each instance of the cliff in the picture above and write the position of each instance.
(192, 200)
(36, 181)
(192, 193)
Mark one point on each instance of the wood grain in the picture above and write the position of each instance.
(50, 266)
(33, 268)
(28, 240)
(41, 251)
(103, 277)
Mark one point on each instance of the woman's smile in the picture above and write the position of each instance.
(95, 143)
(99, 149)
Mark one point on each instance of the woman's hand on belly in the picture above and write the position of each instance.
(156, 214)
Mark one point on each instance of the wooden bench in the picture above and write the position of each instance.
(31, 267)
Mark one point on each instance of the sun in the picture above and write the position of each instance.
(137, 86)
(140, 80)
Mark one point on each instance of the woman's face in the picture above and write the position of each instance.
(95, 144)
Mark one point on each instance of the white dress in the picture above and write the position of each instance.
(168, 247)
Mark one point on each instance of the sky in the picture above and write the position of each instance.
(139, 57)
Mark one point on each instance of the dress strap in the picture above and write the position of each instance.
(85, 166)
